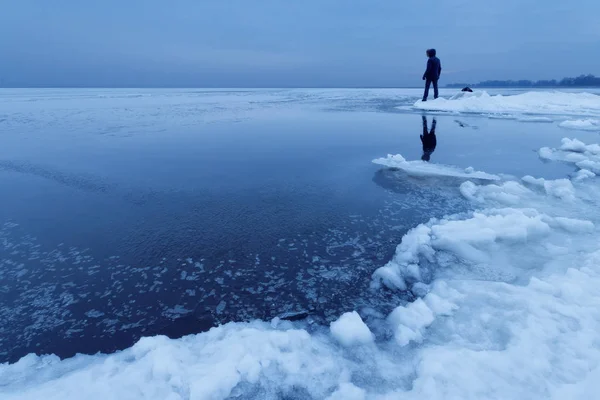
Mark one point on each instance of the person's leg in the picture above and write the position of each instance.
(433, 124)
(435, 89)
(424, 125)
(427, 84)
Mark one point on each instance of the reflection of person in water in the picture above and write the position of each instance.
(428, 139)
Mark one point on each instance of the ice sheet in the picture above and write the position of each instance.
(574, 151)
(519, 105)
(422, 168)
(506, 307)
(126, 112)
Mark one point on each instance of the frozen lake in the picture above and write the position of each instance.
(131, 213)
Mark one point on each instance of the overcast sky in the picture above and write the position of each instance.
(287, 43)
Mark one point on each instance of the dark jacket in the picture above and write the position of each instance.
(429, 142)
(434, 69)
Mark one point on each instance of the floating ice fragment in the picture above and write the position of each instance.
(350, 329)
(422, 168)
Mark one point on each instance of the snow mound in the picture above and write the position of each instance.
(206, 366)
(409, 322)
(516, 333)
(468, 95)
(473, 238)
(583, 174)
(581, 124)
(534, 103)
(579, 147)
(350, 329)
(422, 168)
(508, 193)
(575, 152)
(561, 188)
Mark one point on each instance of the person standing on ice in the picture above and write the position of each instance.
(432, 74)
(428, 139)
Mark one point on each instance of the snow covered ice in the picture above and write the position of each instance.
(350, 329)
(573, 151)
(521, 106)
(506, 306)
(581, 124)
(422, 168)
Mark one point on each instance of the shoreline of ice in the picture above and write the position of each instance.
(506, 307)
(525, 107)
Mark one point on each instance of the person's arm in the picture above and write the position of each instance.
(440, 70)
(429, 69)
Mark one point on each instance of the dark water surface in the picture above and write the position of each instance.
(131, 213)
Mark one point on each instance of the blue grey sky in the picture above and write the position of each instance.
(285, 43)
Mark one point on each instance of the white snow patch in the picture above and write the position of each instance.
(575, 152)
(204, 366)
(581, 124)
(503, 341)
(535, 119)
(540, 103)
(578, 146)
(350, 329)
(468, 95)
(409, 322)
(474, 238)
(422, 168)
(348, 391)
(561, 188)
(583, 174)
(573, 225)
(509, 193)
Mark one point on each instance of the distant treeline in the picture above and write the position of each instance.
(580, 81)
